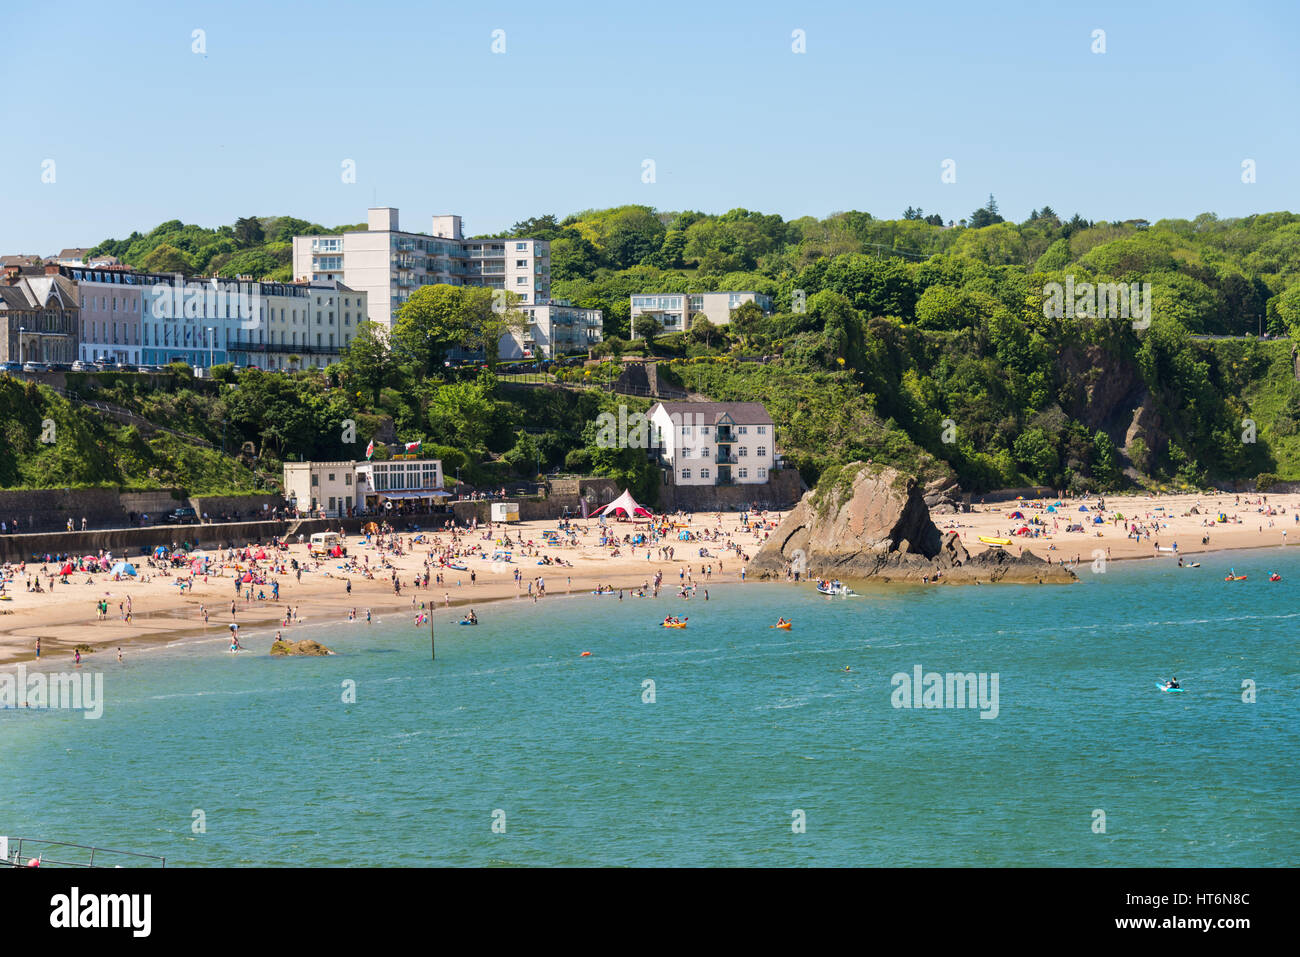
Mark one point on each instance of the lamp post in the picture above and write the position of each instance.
(211, 344)
(21, 356)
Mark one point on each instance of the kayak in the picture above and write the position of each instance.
(995, 541)
(785, 627)
(1275, 578)
(1163, 688)
(1192, 565)
(679, 624)
(459, 568)
(1234, 578)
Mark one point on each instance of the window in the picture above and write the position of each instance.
(315, 480)
(347, 478)
(686, 473)
(686, 452)
(331, 476)
(742, 429)
(521, 246)
(521, 263)
(762, 430)
(762, 473)
(744, 473)
(761, 452)
(743, 451)
(704, 473)
(704, 452)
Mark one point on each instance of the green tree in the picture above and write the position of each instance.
(367, 362)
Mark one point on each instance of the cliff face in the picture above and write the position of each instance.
(871, 522)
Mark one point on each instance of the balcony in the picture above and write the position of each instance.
(725, 436)
(724, 458)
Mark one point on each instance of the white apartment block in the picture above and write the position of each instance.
(714, 443)
(316, 486)
(389, 264)
(555, 328)
(676, 311)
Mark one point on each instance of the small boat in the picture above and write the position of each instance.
(1192, 565)
(784, 626)
(459, 568)
(469, 621)
(833, 588)
(1167, 688)
(1000, 542)
(1275, 577)
(674, 624)
(1234, 578)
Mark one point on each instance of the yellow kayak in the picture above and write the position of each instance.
(995, 541)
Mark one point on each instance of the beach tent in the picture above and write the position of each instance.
(625, 504)
(1051, 508)
(1083, 508)
(123, 568)
(160, 551)
(67, 569)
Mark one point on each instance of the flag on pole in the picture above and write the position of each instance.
(370, 450)
(413, 447)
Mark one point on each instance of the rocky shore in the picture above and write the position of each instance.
(871, 522)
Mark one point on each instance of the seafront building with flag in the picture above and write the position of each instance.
(342, 488)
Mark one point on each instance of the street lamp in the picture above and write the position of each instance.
(21, 330)
(211, 344)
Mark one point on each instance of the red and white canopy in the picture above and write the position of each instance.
(625, 504)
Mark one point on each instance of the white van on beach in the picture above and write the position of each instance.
(322, 543)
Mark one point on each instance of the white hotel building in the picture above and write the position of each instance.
(388, 264)
(714, 443)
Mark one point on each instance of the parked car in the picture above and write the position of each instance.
(35, 367)
(105, 364)
(60, 367)
(182, 516)
(80, 366)
(11, 367)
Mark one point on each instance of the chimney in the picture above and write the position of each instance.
(11, 274)
(51, 269)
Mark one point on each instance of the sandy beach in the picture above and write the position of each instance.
(63, 615)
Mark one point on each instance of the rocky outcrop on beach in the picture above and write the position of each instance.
(305, 647)
(868, 521)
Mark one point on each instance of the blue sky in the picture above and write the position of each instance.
(141, 129)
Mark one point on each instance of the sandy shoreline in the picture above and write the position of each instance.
(66, 616)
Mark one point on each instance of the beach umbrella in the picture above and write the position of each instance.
(160, 551)
(123, 568)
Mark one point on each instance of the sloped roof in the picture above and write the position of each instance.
(741, 413)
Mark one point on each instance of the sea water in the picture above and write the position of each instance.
(727, 742)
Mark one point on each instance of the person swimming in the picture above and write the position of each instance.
(1173, 683)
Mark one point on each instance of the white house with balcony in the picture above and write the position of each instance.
(676, 311)
(714, 443)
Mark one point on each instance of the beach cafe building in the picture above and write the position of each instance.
(336, 488)
(386, 486)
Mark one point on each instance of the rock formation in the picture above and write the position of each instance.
(304, 647)
(868, 521)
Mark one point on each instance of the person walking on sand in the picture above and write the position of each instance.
(119, 656)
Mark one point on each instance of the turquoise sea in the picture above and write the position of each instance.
(748, 727)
